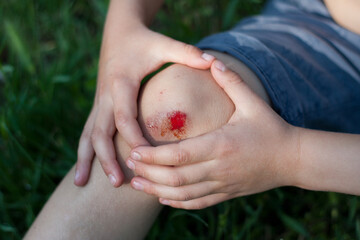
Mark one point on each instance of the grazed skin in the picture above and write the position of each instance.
(169, 124)
(167, 100)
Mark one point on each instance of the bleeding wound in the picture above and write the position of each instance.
(168, 124)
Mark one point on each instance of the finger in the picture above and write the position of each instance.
(183, 193)
(124, 95)
(85, 153)
(102, 140)
(196, 204)
(188, 151)
(173, 176)
(238, 91)
(185, 54)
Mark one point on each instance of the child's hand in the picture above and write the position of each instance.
(256, 151)
(128, 54)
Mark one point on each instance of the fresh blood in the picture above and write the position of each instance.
(173, 123)
(177, 120)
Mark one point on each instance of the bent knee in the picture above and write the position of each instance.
(182, 102)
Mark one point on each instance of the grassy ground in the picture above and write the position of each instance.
(48, 65)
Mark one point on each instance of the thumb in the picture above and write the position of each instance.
(238, 91)
(186, 54)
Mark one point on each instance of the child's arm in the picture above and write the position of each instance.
(329, 161)
(345, 13)
(129, 52)
(254, 152)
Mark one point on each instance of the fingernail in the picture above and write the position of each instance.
(136, 156)
(77, 175)
(164, 201)
(219, 65)
(130, 164)
(112, 179)
(207, 57)
(138, 186)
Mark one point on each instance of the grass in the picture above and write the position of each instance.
(48, 65)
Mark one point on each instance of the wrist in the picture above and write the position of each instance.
(133, 11)
(124, 14)
(289, 160)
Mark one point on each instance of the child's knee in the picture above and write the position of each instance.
(182, 102)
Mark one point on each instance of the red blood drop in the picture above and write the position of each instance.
(177, 120)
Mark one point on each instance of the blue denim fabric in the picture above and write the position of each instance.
(308, 64)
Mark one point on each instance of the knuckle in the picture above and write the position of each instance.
(121, 119)
(104, 100)
(117, 81)
(102, 88)
(185, 196)
(106, 165)
(197, 205)
(144, 173)
(226, 174)
(123, 81)
(181, 157)
(113, 72)
(225, 146)
(152, 190)
(176, 180)
(140, 170)
(115, 85)
(190, 49)
(149, 156)
(227, 150)
(96, 134)
(200, 205)
(234, 79)
(86, 135)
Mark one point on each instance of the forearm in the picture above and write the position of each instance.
(124, 17)
(132, 11)
(329, 161)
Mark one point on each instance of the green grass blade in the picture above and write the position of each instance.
(193, 215)
(358, 229)
(294, 224)
(18, 46)
(229, 14)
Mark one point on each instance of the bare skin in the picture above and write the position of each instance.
(100, 211)
(119, 76)
(95, 208)
(128, 53)
(98, 206)
(255, 151)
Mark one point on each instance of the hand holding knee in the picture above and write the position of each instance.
(128, 54)
(255, 151)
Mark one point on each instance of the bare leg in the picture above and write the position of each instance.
(99, 211)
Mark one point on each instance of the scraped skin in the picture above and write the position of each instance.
(100, 211)
(187, 105)
(171, 124)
